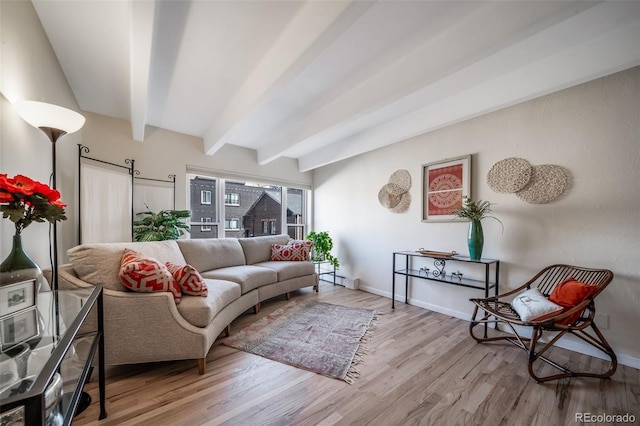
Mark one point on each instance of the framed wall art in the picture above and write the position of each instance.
(17, 296)
(444, 183)
(18, 328)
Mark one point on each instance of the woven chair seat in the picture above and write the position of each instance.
(501, 310)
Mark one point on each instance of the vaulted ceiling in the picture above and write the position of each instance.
(322, 81)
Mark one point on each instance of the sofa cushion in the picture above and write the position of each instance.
(99, 263)
(188, 279)
(248, 276)
(258, 249)
(147, 275)
(289, 269)
(200, 311)
(212, 253)
(296, 250)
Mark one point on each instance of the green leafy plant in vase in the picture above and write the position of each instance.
(475, 211)
(322, 245)
(160, 226)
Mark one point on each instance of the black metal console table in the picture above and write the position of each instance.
(439, 273)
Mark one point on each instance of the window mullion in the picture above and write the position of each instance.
(283, 210)
(221, 211)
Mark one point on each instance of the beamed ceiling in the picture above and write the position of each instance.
(321, 81)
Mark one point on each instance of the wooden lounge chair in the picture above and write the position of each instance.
(499, 311)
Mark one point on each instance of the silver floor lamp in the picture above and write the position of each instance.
(55, 121)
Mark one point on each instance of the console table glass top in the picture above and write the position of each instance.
(60, 337)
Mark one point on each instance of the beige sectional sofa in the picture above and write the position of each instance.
(146, 327)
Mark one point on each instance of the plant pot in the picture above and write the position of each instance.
(475, 240)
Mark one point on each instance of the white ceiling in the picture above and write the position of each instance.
(322, 81)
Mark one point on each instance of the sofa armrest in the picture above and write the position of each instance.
(143, 327)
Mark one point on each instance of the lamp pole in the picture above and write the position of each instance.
(53, 135)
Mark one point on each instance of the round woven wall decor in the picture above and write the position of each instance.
(399, 182)
(388, 200)
(403, 205)
(546, 184)
(509, 175)
(395, 194)
(395, 189)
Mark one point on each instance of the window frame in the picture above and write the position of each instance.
(235, 202)
(205, 228)
(203, 202)
(234, 219)
(219, 192)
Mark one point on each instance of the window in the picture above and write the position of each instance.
(232, 224)
(232, 199)
(296, 213)
(205, 197)
(229, 208)
(203, 203)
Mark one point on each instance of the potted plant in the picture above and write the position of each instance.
(475, 211)
(322, 245)
(163, 225)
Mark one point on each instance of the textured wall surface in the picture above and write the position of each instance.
(591, 130)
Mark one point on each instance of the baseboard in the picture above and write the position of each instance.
(575, 346)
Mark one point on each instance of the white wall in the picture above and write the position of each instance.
(592, 130)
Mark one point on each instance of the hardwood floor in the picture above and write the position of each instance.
(421, 368)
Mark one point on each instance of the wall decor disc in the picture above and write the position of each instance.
(403, 205)
(395, 189)
(509, 175)
(388, 200)
(546, 184)
(399, 182)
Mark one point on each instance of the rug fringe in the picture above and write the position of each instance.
(363, 349)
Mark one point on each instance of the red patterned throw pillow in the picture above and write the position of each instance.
(189, 280)
(146, 275)
(297, 250)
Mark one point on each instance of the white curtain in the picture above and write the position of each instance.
(106, 205)
(156, 195)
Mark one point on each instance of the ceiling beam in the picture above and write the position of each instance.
(600, 42)
(313, 29)
(385, 91)
(141, 42)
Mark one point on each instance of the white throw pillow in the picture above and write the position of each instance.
(531, 305)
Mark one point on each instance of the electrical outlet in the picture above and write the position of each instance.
(602, 321)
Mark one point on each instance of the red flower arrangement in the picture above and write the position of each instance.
(24, 200)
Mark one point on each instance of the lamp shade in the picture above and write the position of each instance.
(41, 114)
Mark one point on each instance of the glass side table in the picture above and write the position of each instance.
(324, 267)
(59, 339)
